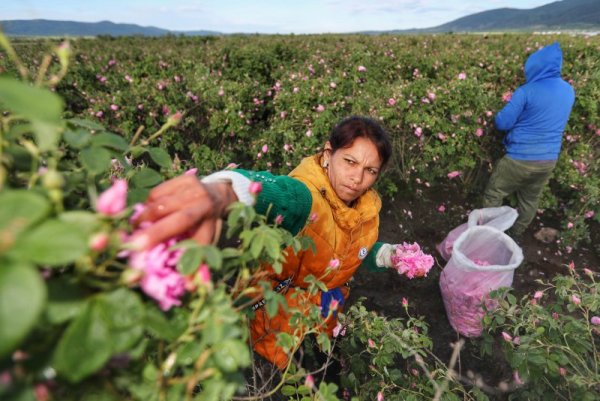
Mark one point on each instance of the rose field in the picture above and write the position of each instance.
(89, 126)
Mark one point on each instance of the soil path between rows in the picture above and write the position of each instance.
(416, 218)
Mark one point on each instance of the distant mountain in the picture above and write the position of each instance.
(560, 15)
(41, 27)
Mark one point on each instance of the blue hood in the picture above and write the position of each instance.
(545, 63)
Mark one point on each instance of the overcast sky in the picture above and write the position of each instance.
(261, 16)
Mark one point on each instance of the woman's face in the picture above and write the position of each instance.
(353, 170)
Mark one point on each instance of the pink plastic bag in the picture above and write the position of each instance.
(483, 259)
(501, 218)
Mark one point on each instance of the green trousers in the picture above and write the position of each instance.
(526, 179)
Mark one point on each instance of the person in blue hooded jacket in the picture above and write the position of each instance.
(534, 119)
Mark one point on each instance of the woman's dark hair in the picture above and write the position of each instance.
(346, 131)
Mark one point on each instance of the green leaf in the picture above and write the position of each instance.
(18, 158)
(87, 222)
(285, 341)
(123, 340)
(85, 346)
(123, 308)
(137, 195)
(231, 355)
(212, 256)
(111, 141)
(46, 134)
(189, 353)
(22, 298)
(52, 243)
(257, 245)
(19, 210)
(65, 300)
(160, 157)
(95, 159)
(511, 298)
(156, 322)
(146, 178)
(137, 151)
(31, 102)
(90, 125)
(190, 261)
(288, 390)
(123, 311)
(77, 139)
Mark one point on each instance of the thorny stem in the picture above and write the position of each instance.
(43, 68)
(450, 372)
(136, 135)
(13, 56)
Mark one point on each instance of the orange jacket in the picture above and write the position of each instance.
(338, 232)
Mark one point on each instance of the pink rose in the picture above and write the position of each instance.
(362, 68)
(517, 378)
(113, 200)
(595, 320)
(507, 96)
(255, 187)
(98, 242)
(506, 336)
(392, 101)
(410, 260)
(453, 174)
(204, 274)
(339, 330)
(41, 392)
(538, 294)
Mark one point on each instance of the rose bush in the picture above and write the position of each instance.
(79, 319)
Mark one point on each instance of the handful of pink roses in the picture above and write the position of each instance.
(410, 260)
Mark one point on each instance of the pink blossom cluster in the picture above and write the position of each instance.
(160, 279)
(157, 266)
(410, 260)
(507, 96)
(580, 166)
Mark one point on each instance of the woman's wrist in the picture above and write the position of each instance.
(222, 195)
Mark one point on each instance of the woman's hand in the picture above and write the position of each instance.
(183, 205)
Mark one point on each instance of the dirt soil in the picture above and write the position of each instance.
(416, 217)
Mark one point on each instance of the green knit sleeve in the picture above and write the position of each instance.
(285, 196)
(370, 262)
